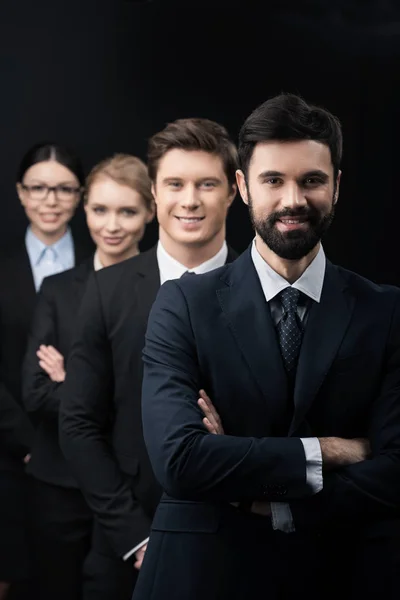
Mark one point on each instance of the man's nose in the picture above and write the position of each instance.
(190, 198)
(293, 197)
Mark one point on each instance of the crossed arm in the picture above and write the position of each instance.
(336, 452)
(189, 463)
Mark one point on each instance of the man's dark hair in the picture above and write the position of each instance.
(288, 118)
(191, 135)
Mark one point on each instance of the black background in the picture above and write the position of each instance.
(104, 75)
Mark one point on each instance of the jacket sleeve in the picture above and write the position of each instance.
(189, 462)
(371, 488)
(41, 395)
(85, 423)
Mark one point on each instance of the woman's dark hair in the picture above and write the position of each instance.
(288, 118)
(50, 151)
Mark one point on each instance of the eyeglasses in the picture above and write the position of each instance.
(40, 191)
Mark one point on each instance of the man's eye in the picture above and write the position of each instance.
(175, 184)
(311, 181)
(272, 180)
(38, 188)
(98, 210)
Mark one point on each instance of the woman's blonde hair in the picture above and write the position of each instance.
(124, 169)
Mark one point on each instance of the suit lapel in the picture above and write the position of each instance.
(327, 323)
(148, 283)
(81, 276)
(243, 304)
(24, 278)
(232, 255)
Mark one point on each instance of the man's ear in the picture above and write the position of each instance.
(242, 186)
(337, 185)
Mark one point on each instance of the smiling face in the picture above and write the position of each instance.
(117, 216)
(192, 196)
(291, 193)
(49, 215)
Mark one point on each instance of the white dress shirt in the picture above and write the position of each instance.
(172, 269)
(49, 260)
(310, 284)
(97, 264)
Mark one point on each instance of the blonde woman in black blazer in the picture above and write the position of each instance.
(118, 205)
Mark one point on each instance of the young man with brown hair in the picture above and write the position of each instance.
(192, 164)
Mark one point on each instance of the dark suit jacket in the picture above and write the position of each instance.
(17, 302)
(215, 331)
(53, 324)
(100, 419)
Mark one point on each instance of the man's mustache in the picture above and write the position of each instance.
(309, 213)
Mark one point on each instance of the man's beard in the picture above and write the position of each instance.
(295, 244)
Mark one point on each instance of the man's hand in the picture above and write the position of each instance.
(211, 419)
(27, 458)
(338, 452)
(139, 555)
(52, 362)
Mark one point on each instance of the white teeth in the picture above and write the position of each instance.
(189, 220)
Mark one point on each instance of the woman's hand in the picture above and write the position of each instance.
(211, 419)
(52, 362)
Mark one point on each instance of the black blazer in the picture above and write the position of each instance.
(52, 324)
(17, 302)
(100, 416)
(215, 331)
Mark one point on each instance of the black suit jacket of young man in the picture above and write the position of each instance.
(100, 418)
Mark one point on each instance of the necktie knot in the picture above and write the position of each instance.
(290, 299)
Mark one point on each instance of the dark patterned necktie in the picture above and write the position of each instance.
(290, 330)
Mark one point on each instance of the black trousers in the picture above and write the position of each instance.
(106, 576)
(61, 532)
(245, 559)
(14, 554)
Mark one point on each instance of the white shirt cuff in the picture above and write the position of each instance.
(312, 450)
(282, 518)
(135, 549)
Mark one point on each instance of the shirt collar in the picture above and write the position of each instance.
(36, 247)
(97, 264)
(310, 283)
(172, 269)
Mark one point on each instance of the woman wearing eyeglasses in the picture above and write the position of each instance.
(49, 182)
(118, 206)
(49, 186)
